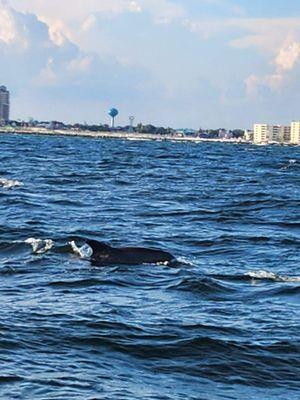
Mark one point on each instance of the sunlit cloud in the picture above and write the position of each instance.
(168, 62)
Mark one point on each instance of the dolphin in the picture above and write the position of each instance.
(103, 254)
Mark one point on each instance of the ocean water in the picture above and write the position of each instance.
(223, 323)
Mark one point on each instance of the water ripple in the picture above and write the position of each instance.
(222, 323)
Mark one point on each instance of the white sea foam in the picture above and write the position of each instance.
(162, 263)
(186, 261)
(290, 163)
(10, 183)
(272, 276)
(40, 246)
(84, 251)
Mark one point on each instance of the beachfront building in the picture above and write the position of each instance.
(261, 133)
(4, 104)
(264, 133)
(275, 133)
(295, 132)
(249, 135)
(224, 134)
(285, 134)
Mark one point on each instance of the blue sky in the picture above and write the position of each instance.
(180, 63)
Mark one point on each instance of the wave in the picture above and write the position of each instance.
(257, 276)
(205, 285)
(185, 261)
(84, 251)
(236, 238)
(10, 183)
(40, 246)
(265, 275)
(222, 287)
(89, 282)
(291, 163)
(4, 379)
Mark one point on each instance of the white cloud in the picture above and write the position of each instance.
(288, 55)
(252, 83)
(163, 11)
(8, 31)
(58, 32)
(285, 61)
(82, 63)
(76, 10)
(101, 51)
(88, 23)
(47, 76)
(134, 6)
(264, 34)
(277, 40)
(50, 76)
(12, 30)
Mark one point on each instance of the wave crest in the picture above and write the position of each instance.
(40, 246)
(10, 183)
(272, 276)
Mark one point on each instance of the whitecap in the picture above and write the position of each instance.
(10, 183)
(185, 261)
(162, 263)
(40, 246)
(272, 276)
(290, 163)
(84, 251)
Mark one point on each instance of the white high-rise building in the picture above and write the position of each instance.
(264, 133)
(261, 133)
(295, 132)
(4, 104)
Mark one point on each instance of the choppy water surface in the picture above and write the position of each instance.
(222, 324)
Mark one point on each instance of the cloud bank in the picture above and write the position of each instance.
(201, 63)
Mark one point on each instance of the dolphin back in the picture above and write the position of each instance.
(99, 247)
(141, 255)
(103, 254)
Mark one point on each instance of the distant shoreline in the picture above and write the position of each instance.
(134, 136)
(115, 135)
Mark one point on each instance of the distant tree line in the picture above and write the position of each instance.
(151, 129)
(140, 128)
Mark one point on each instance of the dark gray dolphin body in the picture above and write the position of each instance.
(104, 254)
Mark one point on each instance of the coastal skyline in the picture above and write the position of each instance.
(184, 64)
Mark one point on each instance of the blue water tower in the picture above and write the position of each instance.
(113, 112)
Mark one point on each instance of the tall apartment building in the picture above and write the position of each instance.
(295, 132)
(274, 133)
(285, 134)
(264, 133)
(4, 104)
(261, 133)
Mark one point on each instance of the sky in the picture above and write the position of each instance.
(178, 63)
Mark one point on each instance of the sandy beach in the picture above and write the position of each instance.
(115, 135)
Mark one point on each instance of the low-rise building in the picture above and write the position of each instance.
(249, 135)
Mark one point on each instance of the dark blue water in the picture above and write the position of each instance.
(224, 323)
